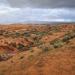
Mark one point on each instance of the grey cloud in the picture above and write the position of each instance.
(17, 15)
(59, 11)
(43, 3)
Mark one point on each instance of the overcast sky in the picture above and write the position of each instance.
(14, 11)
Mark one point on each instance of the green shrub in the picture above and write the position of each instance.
(41, 33)
(37, 43)
(20, 47)
(57, 43)
(68, 36)
(26, 34)
(17, 34)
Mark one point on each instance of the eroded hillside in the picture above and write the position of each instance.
(37, 49)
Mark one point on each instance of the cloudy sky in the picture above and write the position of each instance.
(15, 11)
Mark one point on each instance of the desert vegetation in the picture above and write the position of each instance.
(37, 49)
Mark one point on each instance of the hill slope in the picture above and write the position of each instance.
(37, 50)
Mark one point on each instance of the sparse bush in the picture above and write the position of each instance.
(45, 47)
(37, 43)
(41, 33)
(20, 47)
(17, 34)
(34, 37)
(57, 43)
(6, 34)
(26, 34)
(68, 36)
(55, 28)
